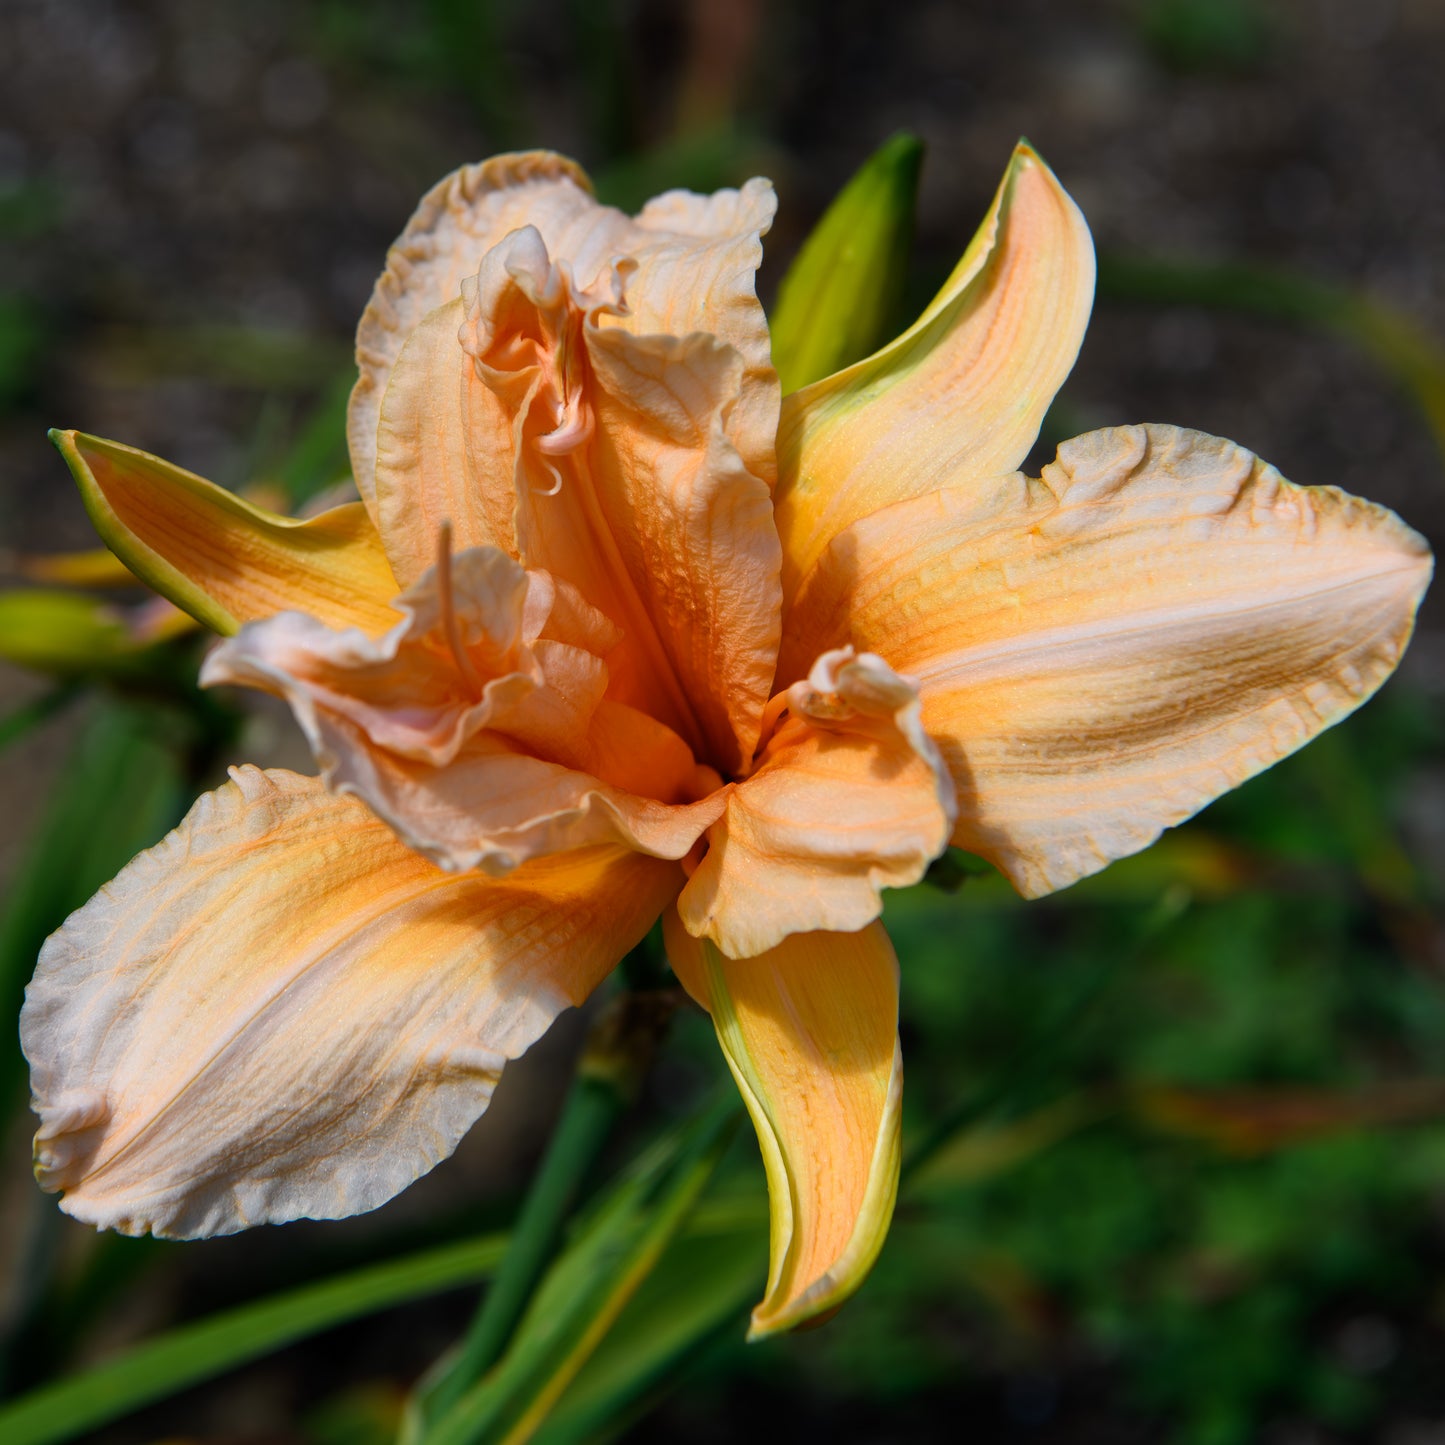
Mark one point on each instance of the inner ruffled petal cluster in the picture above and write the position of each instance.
(589, 413)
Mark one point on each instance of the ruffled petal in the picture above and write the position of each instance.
(691, 260)
(696, 259)
(850, 797)
(442, 449)
(280, 1012)
(473, 736)
(1104, 651)
(494, 807)
(962, 391)
(810, 1032)
(221, 558)
(457, 222)
(605, 458)
(458, 662)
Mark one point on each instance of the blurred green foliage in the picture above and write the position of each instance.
(1221, 35)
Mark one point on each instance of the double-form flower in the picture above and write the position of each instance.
(615, 632)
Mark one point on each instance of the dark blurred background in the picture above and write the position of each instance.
(1215, 1211)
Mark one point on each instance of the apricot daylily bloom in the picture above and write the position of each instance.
(615, 633)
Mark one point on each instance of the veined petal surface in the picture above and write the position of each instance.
(281, 1012)
(850, 797)
(691, 525)
(962, 391)
(810, 1032)
(1103, 651)
(224, 559)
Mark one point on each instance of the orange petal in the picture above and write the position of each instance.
(964, 389)
(690, 261)
(637, 754)
(1102, 652)
(850, 797)
(495, 808)
(455, 663)
(280, 1012)
(810, 1032)
(601, 404)
(220, 558)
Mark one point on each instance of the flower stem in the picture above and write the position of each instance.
(619, 1048)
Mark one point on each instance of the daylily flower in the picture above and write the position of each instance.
(615, 634)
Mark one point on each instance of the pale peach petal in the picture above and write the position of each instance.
(280, 1012)
(810, 1032)
(457, 222)
(962, 391)
(442, 450)
(557, 612)
(547, 412)
(637, 754)
(691, 260)
(412, 691)
(692, 525)
(1104, 651)
(695, 272)
(224, 559)
(850, 797)
(494, 807)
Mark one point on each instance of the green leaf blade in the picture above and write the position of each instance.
(185, 1356)
(588, 1287)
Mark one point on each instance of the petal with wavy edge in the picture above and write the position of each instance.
(487, 767)
(221, 558)
(442, 447)
(810, 1032)
(494, 807)
(280, 1012)
(462, 217)
(1102, 652)
(692, 260)
(695, 272)
(850, 797)
(406, 691)
(963, 390)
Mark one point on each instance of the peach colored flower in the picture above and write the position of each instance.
(615, 633)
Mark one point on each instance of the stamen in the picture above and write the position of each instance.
(464, 663)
